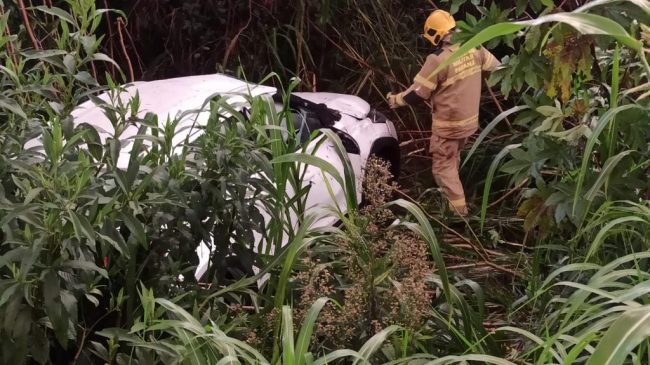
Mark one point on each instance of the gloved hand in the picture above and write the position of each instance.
(393, 101)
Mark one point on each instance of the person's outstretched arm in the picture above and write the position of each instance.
(421, 89)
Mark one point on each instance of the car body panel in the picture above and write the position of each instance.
(185, 98)
(182, 97)
(348, 104)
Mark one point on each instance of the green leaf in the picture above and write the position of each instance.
(58, 12)
(181, 314)
(643, 4)
(424, 229)
(534, 338)
(374, 343)
(490, 177)
(85, 265)
(590, 24)
(288, 353)
(483, 36)
(70, 63)
(306, 330)
(603, 121)
(629, 330)
(93, 141)
(12, 106)
(54, 308)
(311, 160)
(348, 171)
(548, 3)
(82, 228)
(606, 171)
(573, 134)
(86, 78)
(584, 23)
(135, 227)
(490, 127)
(8, 293)
(105, 58)
(39, 345)
(331, 357)
(20, 212)
(533, 37)
(33, 193)
(595, 244)
(466, 359)
(299, 243)
(17, 254)
(39, 55)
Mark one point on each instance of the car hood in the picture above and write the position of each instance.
(346, 104)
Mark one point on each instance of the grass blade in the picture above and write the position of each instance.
(603, 177)
(374, 343)
(490, 127)
(288, 353)
(311, 160)
(335, 355)
(348, 172)
(629, 330)
(603, 121)
(583, 23)
(465, 358)
(643, 4)
(306, 330)
(490, 177)
(424, 229)
(595, 245)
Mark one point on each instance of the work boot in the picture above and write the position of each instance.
(459, 211)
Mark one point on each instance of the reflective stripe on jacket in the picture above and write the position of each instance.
(455, 92)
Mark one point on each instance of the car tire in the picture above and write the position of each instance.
(386, 149)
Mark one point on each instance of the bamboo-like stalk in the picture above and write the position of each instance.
(110, 37)
(10, 47)
(28, 27)
(120, 29)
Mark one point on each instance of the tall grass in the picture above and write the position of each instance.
(91, 255)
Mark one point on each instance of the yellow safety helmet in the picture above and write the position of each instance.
(438, 24)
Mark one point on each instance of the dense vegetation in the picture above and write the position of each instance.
(96, 262)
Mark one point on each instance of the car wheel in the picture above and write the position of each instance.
(386, 150)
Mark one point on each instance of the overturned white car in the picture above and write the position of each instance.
(362, 130)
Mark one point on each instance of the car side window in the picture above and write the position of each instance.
(299, 120)
(305, 122)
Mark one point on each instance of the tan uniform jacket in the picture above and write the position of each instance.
(455, 92)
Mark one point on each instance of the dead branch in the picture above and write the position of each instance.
(507, 195)
(120, 26)
(483, 255)
(233, 42)
(110, 36)
(497, 103)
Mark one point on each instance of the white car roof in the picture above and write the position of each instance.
(167, 99)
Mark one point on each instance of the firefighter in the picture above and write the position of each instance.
(454, 93)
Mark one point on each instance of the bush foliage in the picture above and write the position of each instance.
(97, 261)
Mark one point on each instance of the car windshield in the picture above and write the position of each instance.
(304, 122)
(308, 116)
